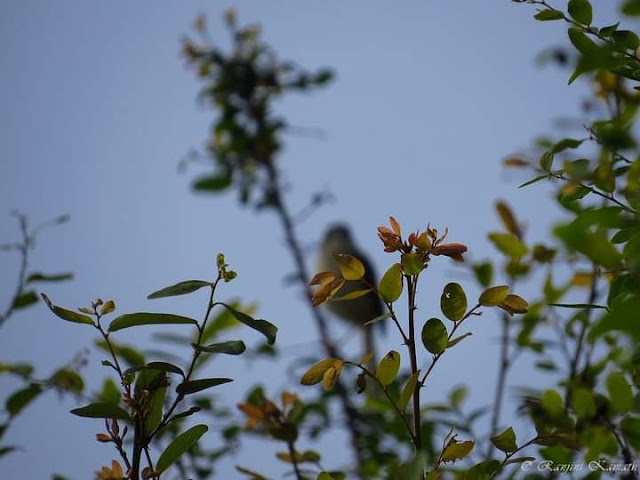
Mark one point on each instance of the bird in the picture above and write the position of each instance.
(356, 312)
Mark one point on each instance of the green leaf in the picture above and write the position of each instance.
(553, 403)
(578, 305)
(265, 328)
(388, 367)
(161, 366)
(155, 383)
(533, 180)
(130, 354)
(390, 286)
(583, 44)
(211, 183)
(379, 318)
(181, 444)
(231, 347)
(68, 315)
(165, 367)
(101, 410)
(414, 468)
(434, 336)
(17, 401)
(194, 386)
(505, 441)
(141, 318)
(351, 295)
(626, 39)
(620, 393)
(5, 450)
(493, 296)
(609, 29)
(408, 390)
(412, 263)
(547, 15)
(180, 288)
(350, 267)
(458, 339)
(509, 244)
(622, 317)
(453, 302)
(51, 277)
(564, 144)
(252, 474)
(324, 476)
(630, 427)
(223, 321)
(582, 403)
(67, 380)
(595, 245)
(631, 8)
(186, 413)
(458, 395)
(25, 299)
(110, 392)
(581, 11)
(484, 273)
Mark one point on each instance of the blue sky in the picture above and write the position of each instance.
(98, 109)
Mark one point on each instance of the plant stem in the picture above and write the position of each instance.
(575, 361)
(511, 454)
(502, 378)
(23, 248)
(503, 369)
(412, 282)
(294, 461)
(194, 359)
(393, 404)
(437, 357)
(321, 323)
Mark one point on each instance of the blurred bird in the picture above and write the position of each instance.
(358, 311)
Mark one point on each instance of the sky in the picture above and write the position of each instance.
(98, 109)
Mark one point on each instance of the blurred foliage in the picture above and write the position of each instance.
(579, 330)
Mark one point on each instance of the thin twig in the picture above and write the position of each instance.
(412, 284)
(23, 247)
(392, 402)
(321, 323)
(453, 330)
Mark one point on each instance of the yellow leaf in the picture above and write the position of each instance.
(322, 278)
(388, 368)
(316, 372)
(457, 451)
(514, 304)
(508, 219)
(493, 296)
(108, 307)
(366, 358)
(327, 291)
(582, 279)
(407, 391)
(390, 287)
(330, 378)
(350, 267)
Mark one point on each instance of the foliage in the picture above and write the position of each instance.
(580, 329)
(144, 405)
(65, 379)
